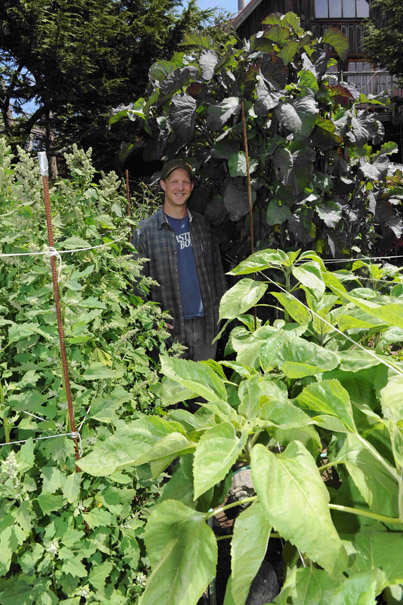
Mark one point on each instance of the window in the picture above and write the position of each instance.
(341, 9)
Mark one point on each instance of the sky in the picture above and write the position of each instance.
(228, 5)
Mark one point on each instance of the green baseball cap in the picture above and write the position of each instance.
(172, 165)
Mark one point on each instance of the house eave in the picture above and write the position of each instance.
(244, 14)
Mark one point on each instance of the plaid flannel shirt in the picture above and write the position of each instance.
(155, 239)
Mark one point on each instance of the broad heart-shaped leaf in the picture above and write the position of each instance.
(288, 117)
(377, 549)
(376, 479)
(392, 398)
(259, 261)
(182, 115)
(241, 297)
(293, 307)
(310, 276)
(295, 499)
(266, 99)
(248, 548)
(196, 377)
(132, 443)
(183, 555)
(218, 115)
(329, 397)
(277, 213)
(307, 110)
(216, 452)
(237, 164)
(236, 199)
(208, 60)
(338, 40)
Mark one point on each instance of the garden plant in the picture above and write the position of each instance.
(65, 537)
(312, 403)
(308, 394)
(317, 164)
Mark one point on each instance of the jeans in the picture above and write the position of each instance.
(198, 348)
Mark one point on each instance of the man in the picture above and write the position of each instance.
(185, 261)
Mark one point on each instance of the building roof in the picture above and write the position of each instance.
(245, 12)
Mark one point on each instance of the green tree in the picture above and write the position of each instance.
(76, 59)
(384, 43)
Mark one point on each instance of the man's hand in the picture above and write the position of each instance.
(169, 326)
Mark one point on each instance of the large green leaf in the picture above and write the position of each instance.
(259, 261)
(196, 377)
(282, 415)
(390, 314)
(132, 443)
(358, 589)
(248, 548)
(218, 115)
(266, 99)
(183, 555)
(238, 166)
(307, 109)
(309, 274)
(392, 398)
(295, 356)
(295, 499)
(182, 116)
(338, 40)
(216, 452)
(306, 586)
(277, 213)
(250, 394)
(294, 307)
(180, 486)
(241, 297)
(329, 397)
(375, 478)
(379, 549)
(208, 60)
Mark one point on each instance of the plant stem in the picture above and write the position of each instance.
(222, 509)
(366, 513)
(273, 534)
(4, 412)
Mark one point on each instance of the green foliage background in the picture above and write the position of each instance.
(112, 342)
(319, 171)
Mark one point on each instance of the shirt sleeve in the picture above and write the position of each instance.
(219, 275)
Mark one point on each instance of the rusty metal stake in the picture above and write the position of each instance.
(43, 164)
(252, 239)
(128, 194)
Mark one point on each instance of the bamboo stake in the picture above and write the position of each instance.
(252, 239)
(43, 164)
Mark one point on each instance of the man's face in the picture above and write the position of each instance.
(177, 187)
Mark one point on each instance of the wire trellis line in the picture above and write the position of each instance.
(75, 435)
(357, 344)
(51, 251)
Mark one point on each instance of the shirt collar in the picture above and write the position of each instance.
(162, 219)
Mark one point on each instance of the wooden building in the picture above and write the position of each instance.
(318, 16)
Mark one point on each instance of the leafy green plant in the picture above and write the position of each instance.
(315, 411)
(65, 537)
(317, 165)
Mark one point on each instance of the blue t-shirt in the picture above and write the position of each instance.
(192, 304)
